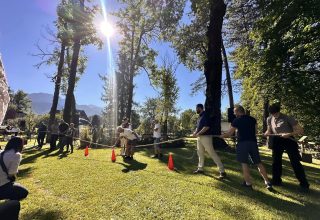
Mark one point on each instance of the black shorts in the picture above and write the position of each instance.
(246, 149)
(132, 143)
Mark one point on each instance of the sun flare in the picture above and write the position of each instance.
(106, 29)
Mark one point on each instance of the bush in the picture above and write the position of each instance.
(85, 137)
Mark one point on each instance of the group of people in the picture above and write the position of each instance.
(281, 129)
(127, 138)
(63, 133)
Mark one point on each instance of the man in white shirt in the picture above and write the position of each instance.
(157, 137)
(131, 138)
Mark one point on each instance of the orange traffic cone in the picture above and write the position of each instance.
(170, 162)
(113, 156)
(86, 151)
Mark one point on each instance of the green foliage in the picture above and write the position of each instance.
(140, 23)
(148, 111)
(281, 58)
(85, 136)
(188, 120)
(164, 79)
(21, 101)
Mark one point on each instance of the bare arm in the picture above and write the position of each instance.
(229, 133)
(268, 131)
(203, 130)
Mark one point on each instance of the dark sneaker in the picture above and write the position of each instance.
(304, 187)
(197, 171)
(160, 155)
(269, 186)
(246, 185)
(222, 175)
(276, 182)
(155, 156)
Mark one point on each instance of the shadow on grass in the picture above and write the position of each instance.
(34, 154)
(297, 206)
(132, 165)
(24, 173)
(42, 214)
(186, 161)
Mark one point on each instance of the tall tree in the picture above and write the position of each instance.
(84, 33)
(213, 64)
(62, 35)
(196, 43)
(281, 61)
(21, 101)
(140, 22)
(165, 80)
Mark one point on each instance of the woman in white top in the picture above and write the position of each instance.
(10, 159)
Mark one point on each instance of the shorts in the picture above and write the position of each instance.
(246, 149)
(132, 143)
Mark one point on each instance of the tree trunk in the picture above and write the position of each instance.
(228, 76)
(55, 100)
(133, 57)
(165, 124)
(69, 102)
(213, 65)
(131, 72)
(67, 112)
(265, 114)
(73, 109)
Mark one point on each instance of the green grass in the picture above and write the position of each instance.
(75, 187)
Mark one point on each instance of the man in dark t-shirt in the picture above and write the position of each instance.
(247, 145)
(204, 142)
(63, 129)
(42, 131)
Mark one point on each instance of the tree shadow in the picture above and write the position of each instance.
(42, 214)
(34, 155)
(24, 173)
(297, 204)
(132, 165)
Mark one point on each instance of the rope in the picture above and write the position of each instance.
(163, 142)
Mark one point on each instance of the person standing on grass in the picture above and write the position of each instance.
(70, 136)
(285, 128)
(63, 129)
(247, 146)
(157, 138)
(10, 159)
(42, 131)
(203, 133)
(54, 135)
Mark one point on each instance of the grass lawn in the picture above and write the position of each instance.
(74, 187)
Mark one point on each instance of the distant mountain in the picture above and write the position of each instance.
(41, 104)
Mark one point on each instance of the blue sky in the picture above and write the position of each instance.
(22, 23)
